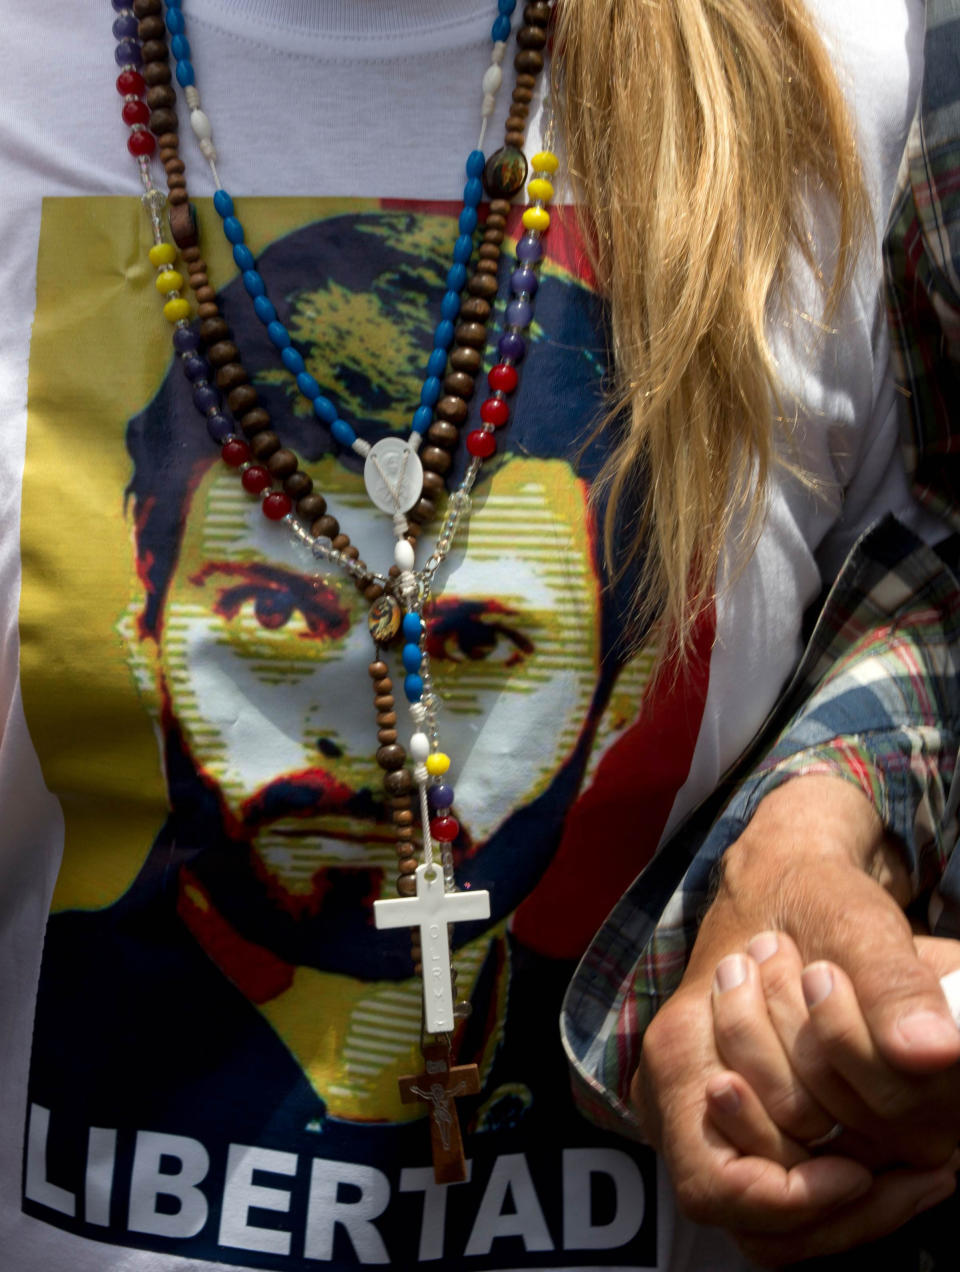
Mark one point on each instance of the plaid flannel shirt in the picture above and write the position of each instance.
(876, 697)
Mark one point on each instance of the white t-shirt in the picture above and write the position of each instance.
(370, 108)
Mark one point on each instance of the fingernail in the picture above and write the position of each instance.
(926, 1028)
(944, 1189)
(763, 946)
(726, 1099)
(731, 972)
(817, 982)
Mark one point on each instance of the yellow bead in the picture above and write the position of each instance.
(170, 280)
(540, 188)
(437, 764)
(175, 310)
(536, 218)
(544, 161)
(162, 254)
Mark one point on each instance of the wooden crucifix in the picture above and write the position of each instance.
(431, 910)
(437, 1087)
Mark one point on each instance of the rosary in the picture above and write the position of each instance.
(404, 477)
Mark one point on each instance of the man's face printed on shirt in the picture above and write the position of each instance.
(264, 661)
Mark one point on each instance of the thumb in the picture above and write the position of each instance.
(896, 987)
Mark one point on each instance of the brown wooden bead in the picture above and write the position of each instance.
(486, 267)
(231, 376)
(399, 782)
(213, 330)
(222, 352)
(516, 122)
(398, 801)
(402, 817)
(265, 444)
(282, 462)
(489, 251)
(384, 702)
(192, 256)
(531, 37)
(161, 95)
(528, 60)
(494, 222)
(205, 295)
(477, 307)
(451, 407)
(340, 541)
(407, 865)
(255, 421)
(435, 459)
(423, 510)
(460, 385)
(523, 96)
(493, 238)
(463, 358)
(350, 552)
(388, 718)
(298, 484)
(168, 153)
(391, 757)
(407, 887)
(378, 669)
(168, 141)
(499, 207)
(326, 527)
(443, 434)
(163, 120)
(387, 736)
(154, 51)
(156, 73)
(144, 8)
(383, 684)
(177, 182)
(208, 309)
(471, 333)
(178, 198)
(152, 28)
(537, 12)
(373, 592)
(311, 506)
(183, 226)
(515, 138)
(526, 80)
(433, 485)
(243, 398)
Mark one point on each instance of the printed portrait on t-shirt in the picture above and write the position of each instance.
(235, 1024)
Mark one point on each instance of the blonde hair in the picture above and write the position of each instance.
(694, 129)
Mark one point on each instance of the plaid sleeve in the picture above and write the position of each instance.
(876, 702)
(922, 271)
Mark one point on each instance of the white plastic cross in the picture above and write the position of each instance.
(431, 910)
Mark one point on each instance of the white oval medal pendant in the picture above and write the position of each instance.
(393, 475)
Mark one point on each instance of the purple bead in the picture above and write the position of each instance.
(440, 796)
(127, 53)
(126, 27)
(205, 398)
(120, 5)
(529, 248)
(524, 280)
(196, 368)
(185, 339)
(512, 345)
(219, 427)
(519, 313)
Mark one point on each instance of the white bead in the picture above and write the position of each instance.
(403, 554)
(201, 125)
(419, 746)
(208, 149)
(192, 94)
(498, 52)
(492, 79)
(486, 109)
